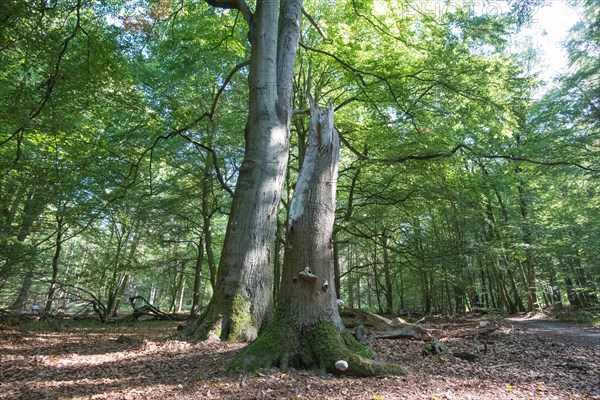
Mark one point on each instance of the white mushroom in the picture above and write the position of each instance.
(341, 365)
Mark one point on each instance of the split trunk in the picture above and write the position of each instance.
(307, 330)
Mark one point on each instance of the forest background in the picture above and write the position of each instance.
(462, 184)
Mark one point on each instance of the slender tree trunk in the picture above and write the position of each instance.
(33, 207)
(197, 277)
(359, 292)
(23, 296)
(527, 239)
(307, 330)
(55, 258)
(207, 214)
(553, 289)
(278, 259)
(513, 286)
(337, 269)
(402, 307)
(426, 298)
(502, 292)
(485, 294)
(387, 274)
(122, 286)
(119, 278)
(181, 302)
(574, 299)
(377, 289)
(350, 278)
(152, 296)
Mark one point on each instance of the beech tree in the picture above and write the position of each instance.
(307, 330)
(245, 278)
(120, 145)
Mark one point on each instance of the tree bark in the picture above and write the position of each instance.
(24, 291)
(310, 224)
(307, 330)
(527, 240)
(207, 215)
(197, 277)
(55, 258)
(242, 301)
(33, 206)
(387, 273)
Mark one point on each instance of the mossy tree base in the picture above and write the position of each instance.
(229, 320)
(285, 344)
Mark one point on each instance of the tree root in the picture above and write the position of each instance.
(317, 347)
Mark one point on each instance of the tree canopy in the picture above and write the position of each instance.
(124, 126)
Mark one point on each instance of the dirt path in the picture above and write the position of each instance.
(562, 331)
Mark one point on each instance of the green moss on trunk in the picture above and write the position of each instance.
(324, 345)
(208, 324)
(231, 321)
(241, 324)
(271, 348)
(284, 344)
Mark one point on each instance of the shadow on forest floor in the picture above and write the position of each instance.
(522, 359)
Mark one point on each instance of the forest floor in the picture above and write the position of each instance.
(525, 359)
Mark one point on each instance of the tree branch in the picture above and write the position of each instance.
(537, 162)
(459, 146)
(360, 74)
(239, 5)
(210, 114)
(180, 131)
(349, 146)
(430, 156)
(214, 160)
(313, 22)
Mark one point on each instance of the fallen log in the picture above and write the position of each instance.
(470, 357)
(377, 322)
(484, 328)
(148, 309)
(373, 326)
(410, 331)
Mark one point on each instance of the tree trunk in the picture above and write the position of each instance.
(377, 289)
(350, 277)
(242, 301)
(307, 330)
(513, 286)
(119, 293)
(278, 256)
(181, 302)
(502, 291)
(33, 207)
(528, 241)
(207, 214)
(337, 268)
(21, 300)
(197, 277)
(389, 294)
(55, 258)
